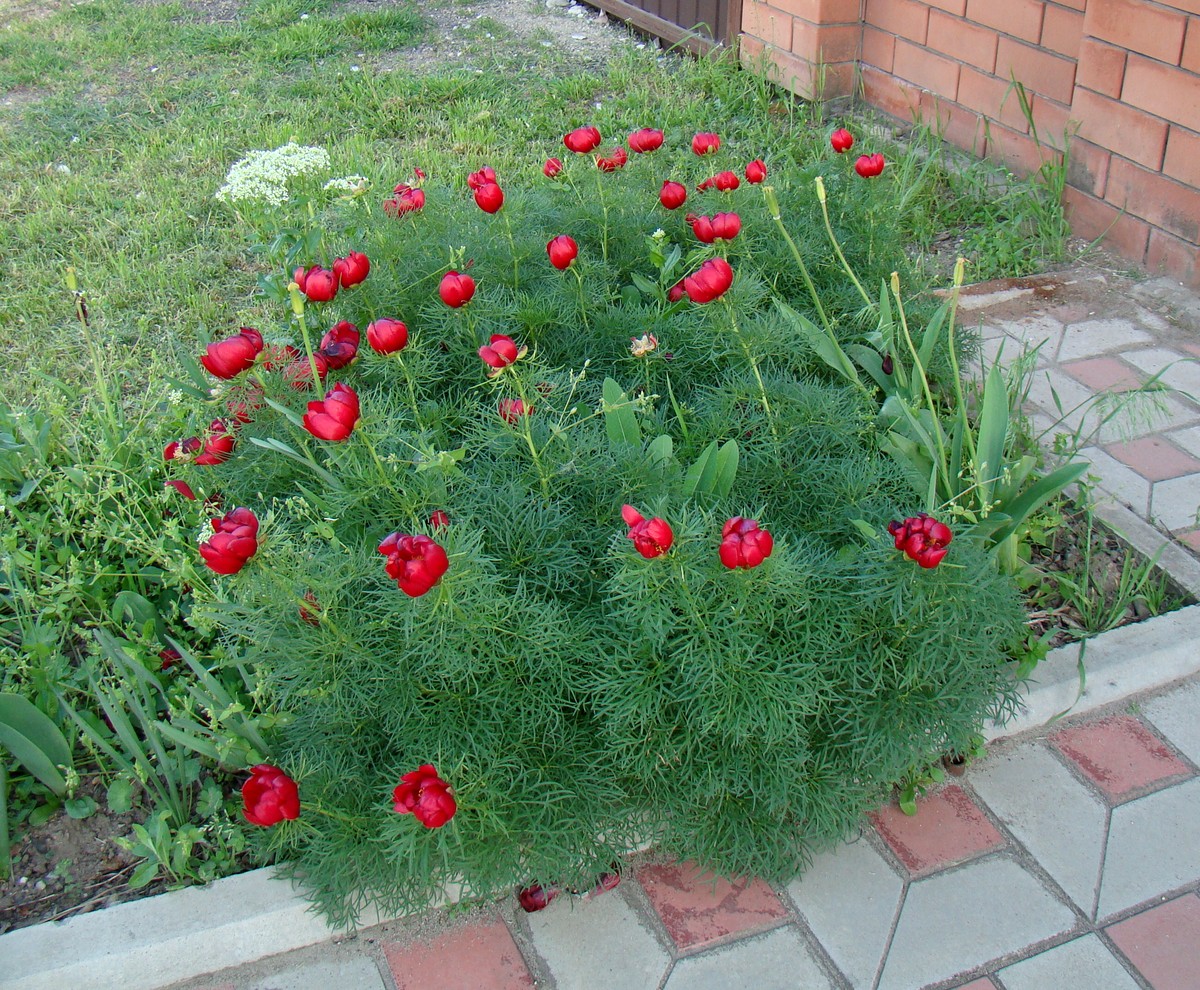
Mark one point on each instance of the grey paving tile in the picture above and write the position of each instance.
(778, 960)
(352, 972)
(1176, 502)
(991, 908)
(1073, 397)
(1094, 337)
(1034, 330)
(1177, 716)
(849, 898)
(1084, 962)
(1119, 480)
(1058, 819)
(1152, 847)
(1188, 439)
(598, 942)
(1182, 371)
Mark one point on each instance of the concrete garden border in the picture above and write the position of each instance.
(150, 943)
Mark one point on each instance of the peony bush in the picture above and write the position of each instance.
(577, 518)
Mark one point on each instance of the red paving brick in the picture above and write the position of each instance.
(698, 912)
(948, 828)
(1119, 754)
(983, 983)
(1154, 458)
(1164, 943)
(1191, 538)
(481, 956)
(1104, 374)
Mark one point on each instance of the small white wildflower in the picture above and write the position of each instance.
(643, 345)
(349, 186)
(175, 397)
(659, 234)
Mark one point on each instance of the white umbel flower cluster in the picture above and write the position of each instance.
(262, 176)
(349, 186)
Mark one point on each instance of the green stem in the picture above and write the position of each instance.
(412, 394)
(297, 299)
(582, 294)
(527, 432)
(383, 472)
(773, 208)
(512, 244)
(837, 247)
(604, 208)
(110, 412)
(762, 388)
(5, 851)
(958, 393)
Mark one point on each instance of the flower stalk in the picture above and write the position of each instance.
(773, 208)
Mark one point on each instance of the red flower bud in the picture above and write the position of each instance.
(182, 487)
(270, 796)
(756, 171)
(705, 143)
(535, 897)
(922, 538)
(511, 410)
(456, 290)
(318, 284)
(335, 416)
(339, 346)
(415, 563)
(387, 336)
(228, 358)
(351, 269)
(743, 544)
(234, 541)
(553, 168)
(424, 795)
(582, 140)
(710, 282)
(675, 293)
(499, 352)
(869, 166)
(614, 161)
(672, 195)
(651, 537)
(841, 140)
(562, 250)
(438, 519)
(721, 227)
(489, 197)
(646, 139)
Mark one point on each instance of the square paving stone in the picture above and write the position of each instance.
(1175, 715)
(1155, 458)
(1104, 374)
(948, 828)
(1082, 962)
(479, 956)
(1094, 337)
(983, 983)
(1119, 755)
(698, 909)
(1164, 943)
(778, 960)
(345, 970)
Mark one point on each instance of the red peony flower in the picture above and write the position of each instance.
(613, 162)
(756, 171)
(743, 544)
(456, 290)
(535, 897)
(339, 346)
(270, 796)
(500, 352)
(489, 197)
(922, 538)
(705, 143)
(228, 358)
(438, 519)
(651, 537)
(562, 250)
(335, 416)
(710, 282)
(511, 410)
(405, 200)
(234, 541)
(318, 284)
(182, 487)
(415, 563)
(721, 227)
(298, 374)
(582, 140)
(841, 140)
(869, 166)
(553, 168)
(646, 139)
(218, 445)
(477, 180)
(424, 795)
(672, 195)
(722, 181)
(387, 336)
(351, 269)
(675, 293)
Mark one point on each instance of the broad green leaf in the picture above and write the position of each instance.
(619, 418)
(293, 417)
(32, 737)
(869, 360)
(119, 796)
(1038, 494)
(823, 343)
(701, 474)
(993, 430)
(139, 609)
(80, 807)
(726, 465)
(143, 875)
(644, 285)
(932, 332)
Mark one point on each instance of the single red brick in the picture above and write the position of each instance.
(1138, 25)
(1020, 153)
(1171, 93)
(1101, 68)
(1129, 132)
(1104, 374)
(992, 97)
(821, 11)
(1163, 943)
(1038, 71)
(1093, 218)
(1156, 198)
(983, 983)
(878, 48)
(1054, 122)
(698, 909)
(1182, 160)
(479, 956)
(933, 72)
(1191, 538)
(1062, 30)
(1173, 256)
(1119, 754)
(962, 40)
(962, 128)
(904, 18)
(1020, 18)
(1073, 4)
(958, 7)
(892, 95)
(1087, 167)
(948, 828)
(769, 23)
(1154, 458)
(826, 43)
(1191, 46)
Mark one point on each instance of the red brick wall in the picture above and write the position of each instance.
(1121, 76)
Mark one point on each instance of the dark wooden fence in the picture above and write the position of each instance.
(697, 24)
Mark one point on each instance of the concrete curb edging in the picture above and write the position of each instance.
(177, 936)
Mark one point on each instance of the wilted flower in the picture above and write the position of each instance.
(922, 538)
(511, 410)
(298, 373)
(228, 358)
(651, 537)
(415, 563)
(270, 796)
(405, 199)
(535, 897)
(643, 345)
(310, 610)
(424, 795)
(744, 544)
(438, 519)
(553, 168)
(612, 162)
(339, 346)
(333, 418)
(182, 487)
